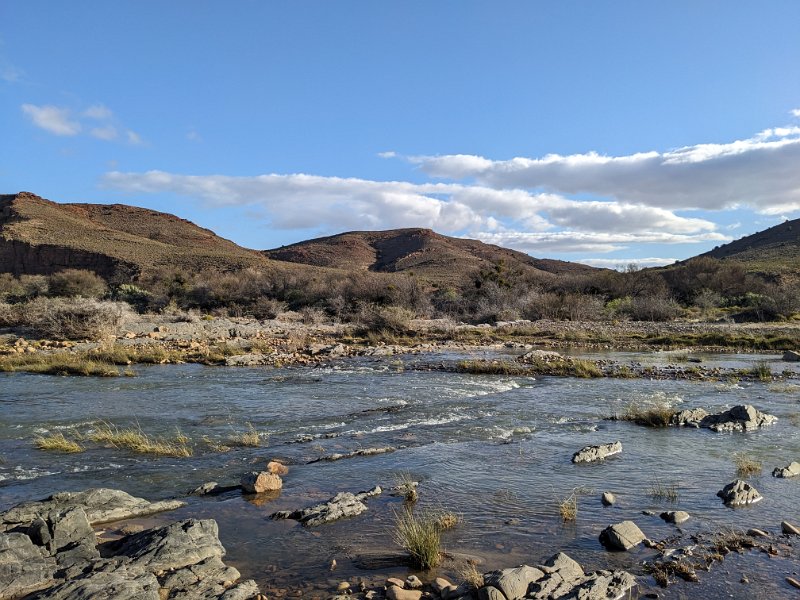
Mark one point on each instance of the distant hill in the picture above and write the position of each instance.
(427, 254)
(38, 236)
(773, 251)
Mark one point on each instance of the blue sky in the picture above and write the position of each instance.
(603, 132)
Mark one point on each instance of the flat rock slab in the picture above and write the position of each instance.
(100, 505)
(739, 493)
(342, 505)
(593, 453)
(354, 454)
(622, 536)
(791, 470)
(115, 585)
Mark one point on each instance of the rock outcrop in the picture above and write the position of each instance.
(739, 493)
(791, 470)
(593, 453)
(743, 417)
(342, 505)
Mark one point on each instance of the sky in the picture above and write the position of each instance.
(598, 132)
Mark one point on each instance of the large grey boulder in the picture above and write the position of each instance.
(744, 417)
(562, 574)
(100, 505)
(24, 567)
(739, 493)
(603, 585)
(513, 583)
(342, 505)
(791, 470)
(171, 547)
(689, 418)
(103, 585)
(593, 453)
(622, 536)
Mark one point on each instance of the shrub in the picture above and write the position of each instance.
(390, 319)
(73, 319)
(72, 283)
(655, 416)
(8, 316)
(133, 295)
(747, 465)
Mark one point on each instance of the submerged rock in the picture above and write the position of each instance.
(622, 536)
(791, 470)
(593, 453)
(739, 493)
(101, 505)
(342, 505)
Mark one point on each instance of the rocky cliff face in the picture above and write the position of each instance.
(21, 258)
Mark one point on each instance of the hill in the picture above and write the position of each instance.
(774, 251)
(38, 236)
(429, 255)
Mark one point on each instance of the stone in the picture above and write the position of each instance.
(593, 453)
(342, 505)
(739, 493)
(564, 578)
(395, 581)
(207, 579)
(689, 418)
(205, 489)
(100, 505)
(24, 567)
(343, 585)
(622, 536)
(675, 516)
(277, 468)
(743, 417)
(440, 584)
(791, 356)
(791, 470)
(789, 529)
(604, 585)
(753, 532)
(171, 547)
(608, 499)
(115, 585)
(793, 582)
(513, 583)
(257, 482)
(490, 593)
(245, 590)
(413, 582)
(398, 593)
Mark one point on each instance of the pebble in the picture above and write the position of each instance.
(757, 533)
(394, 581)
(413, 582)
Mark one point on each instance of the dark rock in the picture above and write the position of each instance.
(342, 505)
(115, 585)
(739, 493)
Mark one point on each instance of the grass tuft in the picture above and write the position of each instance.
(61, 363)
(568, 508)
(420, 536)
(469, 574)
(762, 371)
(656, 416)
(249, 438)
(747, 465)
(135, 440)
(664, 492)
(56, 442)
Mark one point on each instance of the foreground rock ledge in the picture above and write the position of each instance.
(50, 549)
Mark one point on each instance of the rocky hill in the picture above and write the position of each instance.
(427, 254)
(38, 236)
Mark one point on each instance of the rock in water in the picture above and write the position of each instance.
(257, 482)
(277, 468)
(608, 499)
(744, 417)
(593, 453)
(739, 493)
(342, 505)
(622, 536)
(397, 593)
(675, 516)
(791, 470)
(789, 529)
(791, 356)
(513, 583)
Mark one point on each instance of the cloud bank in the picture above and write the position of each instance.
(97, 120)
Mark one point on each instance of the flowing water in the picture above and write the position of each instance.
(495, 450)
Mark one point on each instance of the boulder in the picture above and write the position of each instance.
(744, 417)
(397, 593)
(791, 356)
(608, 499)
(622, 536)
(114, 585)
(342, 505)
(593, 453)
(277, 468)
(689, 418)
(513, 583)
(24, 567)
(100, 505)
(791, 470)
(257, 482)
(490, 592)
(739, 493)
(675, 516)
(789, 529)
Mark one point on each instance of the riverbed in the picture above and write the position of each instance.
(495, 450)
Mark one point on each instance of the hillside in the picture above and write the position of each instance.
(427, 254)
(773, 251)
(38, 236)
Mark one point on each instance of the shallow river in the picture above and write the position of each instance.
(495, 450)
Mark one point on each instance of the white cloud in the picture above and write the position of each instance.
(56, 120)
(622, 263)
(133, 138)
(795, 112)
(762, 172)
(99, 112)
(107, 132)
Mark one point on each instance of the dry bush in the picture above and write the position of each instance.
(74, 319)
(390, 319)
(8, 315)
(72, 283)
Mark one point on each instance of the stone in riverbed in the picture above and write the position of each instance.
(608, 499)
(342, 505)
(622, 536)
(277, 468)
(675, 516)
(791, 470)
(115, 585)
(739, 493)
(398, 593)
(789, 529)
(744, 417)
(593, 453)
(513, 583)
(791, 356)
(101, 505)
(257, 482)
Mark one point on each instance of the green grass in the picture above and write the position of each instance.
(762, 371)
(420, 536)
(492, 367)
(61, 363)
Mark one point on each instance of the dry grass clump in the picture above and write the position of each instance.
(135, 440)
(56, 442)
(747, 465)
(586, 369)
(249, 438)
(654, 416)
(469, 574)
(568, 508)
(215, 445)
(406, 487)
(420, 536)
(57, 363)
(762, 371)
(492, 367)
(447, 519)
(663, 491)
